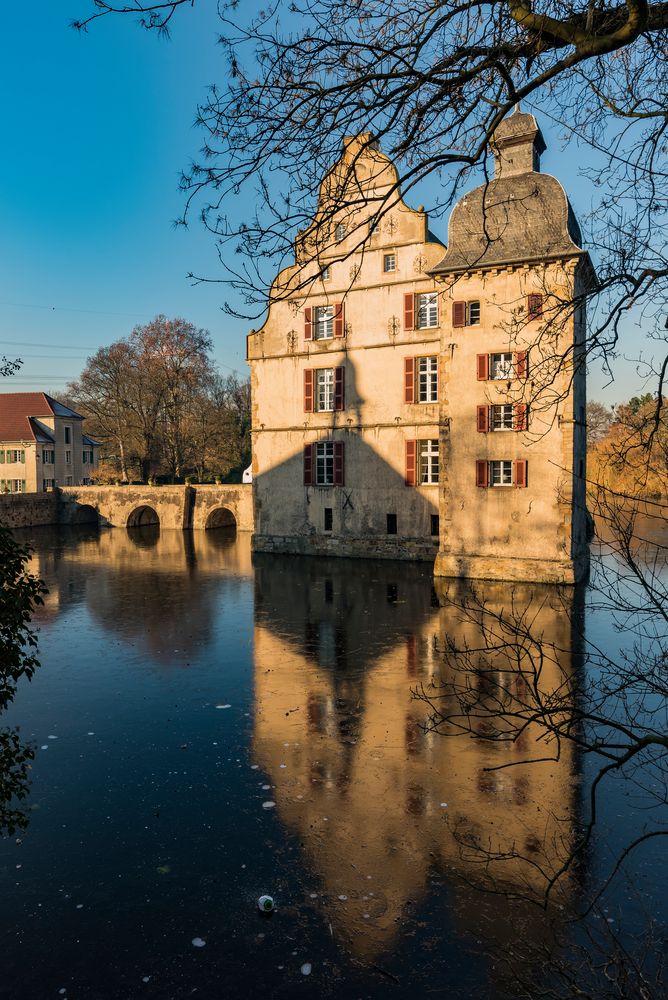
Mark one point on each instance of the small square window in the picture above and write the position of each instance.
(391, 524)
(329, 518)
(389, 263)
(435, 528)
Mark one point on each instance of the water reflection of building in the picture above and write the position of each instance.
(128, 578)
(379, 805)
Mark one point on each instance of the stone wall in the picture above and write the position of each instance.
(28, 510)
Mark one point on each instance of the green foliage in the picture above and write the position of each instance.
(20, 593)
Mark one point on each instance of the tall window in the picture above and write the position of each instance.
(427, 379)
(427, 310)
(503, 417)
(324, 389)
(501, 366)
(389, 262)
(324, 463)
(326, 273)
(324, 322)
(48, 456)
(428, 456)
(500, 473)
(68, 435)
(340, 230)
(68, 458)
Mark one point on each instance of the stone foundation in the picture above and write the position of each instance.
(28, 510)
(405, 549)
(566, 571)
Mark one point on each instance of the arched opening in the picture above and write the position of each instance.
(85, 514)
(221, 517)
(141, 516)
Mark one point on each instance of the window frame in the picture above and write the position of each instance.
(323, 323)
(428, 467)
(328, 387)
(427, 306)
(323, 462)
(387, 257)
(508, 373)
(503, 426)
(504, 467)
(430, 376)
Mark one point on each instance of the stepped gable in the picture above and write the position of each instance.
(520, 216)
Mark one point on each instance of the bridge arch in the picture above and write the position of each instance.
(85, 513)
(141, 516)
(221, 517)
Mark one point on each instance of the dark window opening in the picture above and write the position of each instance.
(391, 524)
(435, 529)
(329, 592)
(392, 593)
(329, 518)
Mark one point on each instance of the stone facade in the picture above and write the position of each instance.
(415, 402)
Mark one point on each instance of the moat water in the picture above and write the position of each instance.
(210, 727)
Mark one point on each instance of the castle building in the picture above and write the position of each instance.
(417, 401)
(42, 444)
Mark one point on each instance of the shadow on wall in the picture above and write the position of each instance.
(367, 510)
(357, 775)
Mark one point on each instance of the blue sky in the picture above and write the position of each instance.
(97, 128)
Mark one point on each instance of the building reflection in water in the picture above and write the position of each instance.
(381, 805)
(129, 577)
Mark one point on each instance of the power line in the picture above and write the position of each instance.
(92, 312)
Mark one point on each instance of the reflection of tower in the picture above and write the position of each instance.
(378, 802)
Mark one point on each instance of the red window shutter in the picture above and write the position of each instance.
(308, 327)
(459, 314)
(481, 474)
(521, 416)
(535, 306)
(483, 367)
(339, 470)
(308, 390)
(339, 320)
(483, 419)
(520, 473)
(409, 380)
(308, 465)
(409, 311)
(339, 388)
(411, 462)
(521, 364)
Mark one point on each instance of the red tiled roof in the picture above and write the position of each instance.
(16, 409)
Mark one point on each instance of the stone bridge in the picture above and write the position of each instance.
(181, 507)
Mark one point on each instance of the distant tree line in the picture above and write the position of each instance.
(628, 447)
(159, 407)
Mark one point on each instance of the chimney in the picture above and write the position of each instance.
(517, 145)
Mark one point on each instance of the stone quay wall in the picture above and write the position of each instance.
(28, 510)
